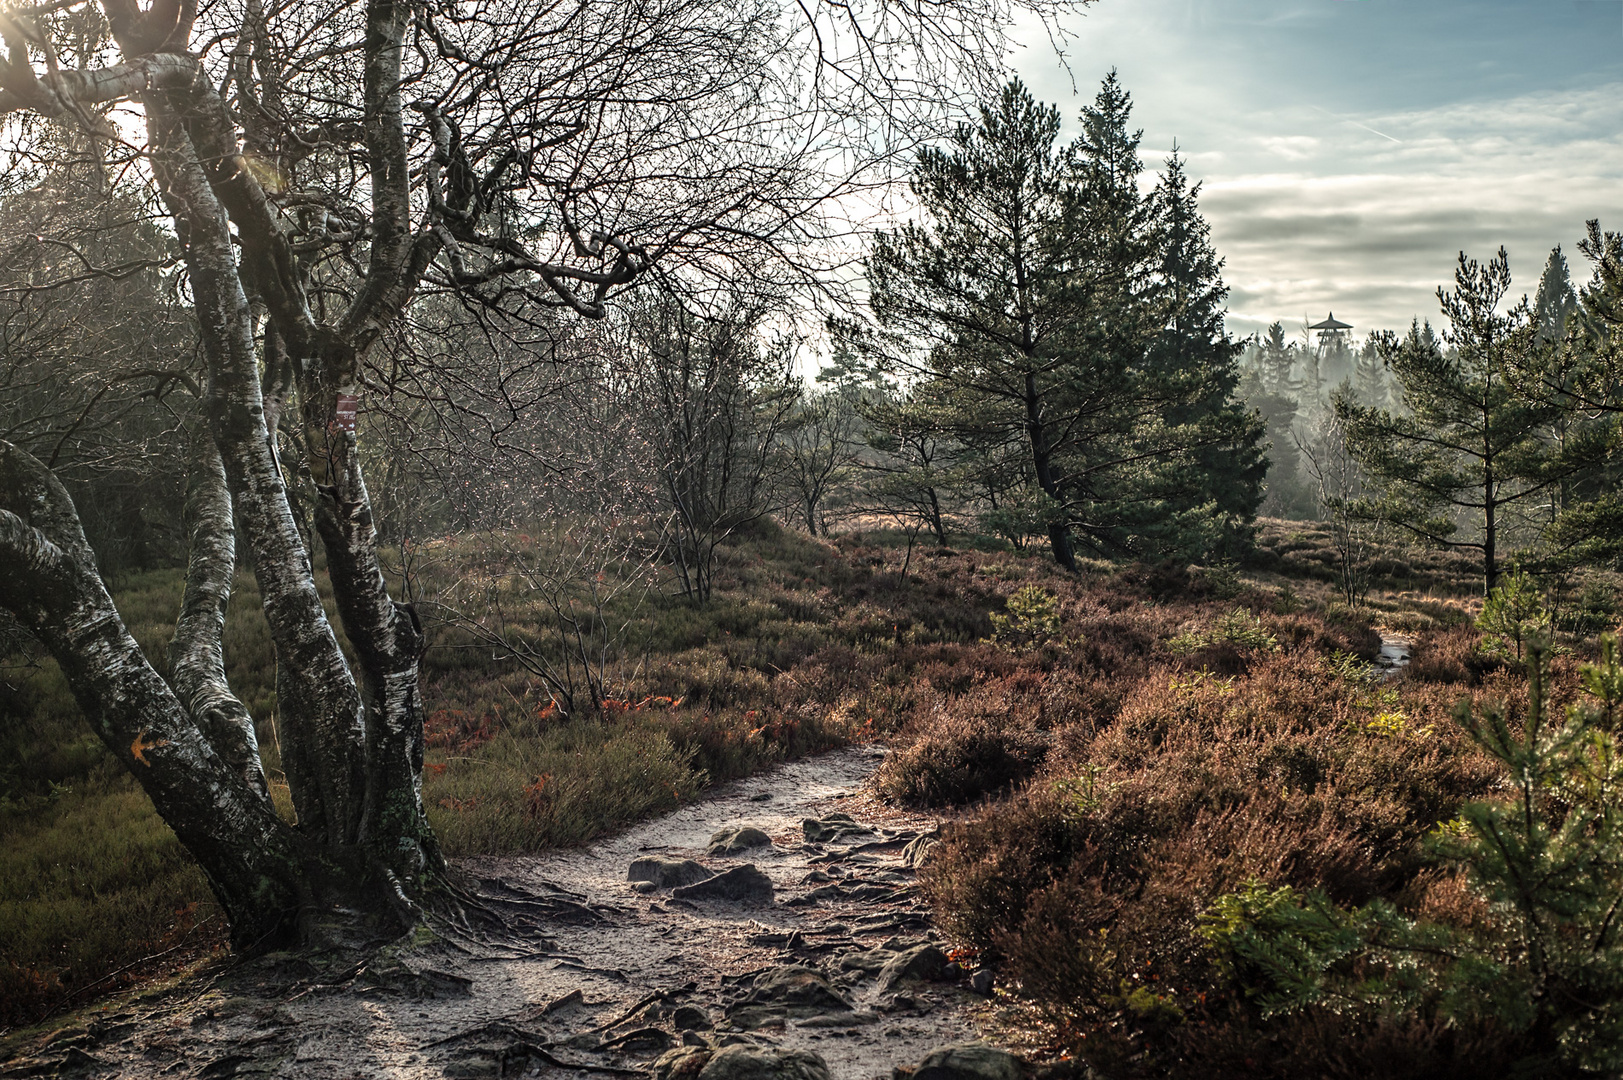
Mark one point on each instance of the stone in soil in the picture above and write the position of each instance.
(796, 984)
(668, 873)
(742, 884)
(691, 1018)
(832, 827)
(966, 1061)
(738, 838)
(872, 961)
(764, 1063)
(784, 993)
(683, 1063)
(921, 962)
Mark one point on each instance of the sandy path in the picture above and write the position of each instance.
(442, 1011)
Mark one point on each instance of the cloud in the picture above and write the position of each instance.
(1351, 151)
(1294, 147)
(1371, 234)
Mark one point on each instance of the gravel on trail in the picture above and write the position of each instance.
(683, 947)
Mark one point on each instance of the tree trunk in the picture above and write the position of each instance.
(249, 855)
(1059, 534)
(361, 858)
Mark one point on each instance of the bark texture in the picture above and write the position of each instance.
(361, 855)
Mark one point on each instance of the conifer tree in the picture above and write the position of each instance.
(1277, 364)
(1576, 375)
(1031, 298)
(1555, 302)
(1196, 360)
(1471, 449)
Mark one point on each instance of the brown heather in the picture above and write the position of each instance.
(1182, 781)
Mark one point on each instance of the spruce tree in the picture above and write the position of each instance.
(1196, 360)
(1555, 302)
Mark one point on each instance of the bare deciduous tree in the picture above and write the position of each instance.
(820, 445)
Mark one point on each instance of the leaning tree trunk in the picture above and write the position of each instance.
(361, 857)
(251, 858)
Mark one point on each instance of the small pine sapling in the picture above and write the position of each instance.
(1030, 618)
(1513, 611)
(1546, 966)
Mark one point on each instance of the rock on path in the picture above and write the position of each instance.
(685, 946)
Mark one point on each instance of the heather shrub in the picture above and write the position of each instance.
(958, 758)
(1303, 773)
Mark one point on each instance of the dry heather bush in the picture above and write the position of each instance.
(1088, 883)
(960, 759)
(1451, 656)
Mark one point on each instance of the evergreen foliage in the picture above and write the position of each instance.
(1556, 302)
(1198, 360)
(1471, 446)
(1064, 332)
(1513, 614)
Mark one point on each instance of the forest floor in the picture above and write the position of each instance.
(594, 977)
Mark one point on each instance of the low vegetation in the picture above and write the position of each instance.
(1239, 851)
(1195, 829)
(804, 645)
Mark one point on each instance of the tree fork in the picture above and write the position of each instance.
(317, 697)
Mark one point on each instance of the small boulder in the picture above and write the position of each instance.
(742, 884)
(764, 1063)
(969, 1061)
(981, 982)
(832, 827)
(738, 838)
(799, 986)
(691, 1018)
(920, 962)
(794, 992)
(871, 961)
(668, 873)
(682, 1063)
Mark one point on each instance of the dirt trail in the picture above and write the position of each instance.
(598, 978)
(1394, 656)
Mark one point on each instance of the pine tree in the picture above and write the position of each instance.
(1369, 383)
(1031, 299)
(1471, 446)
(982, 299)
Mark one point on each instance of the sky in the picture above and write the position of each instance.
(1351, 149)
